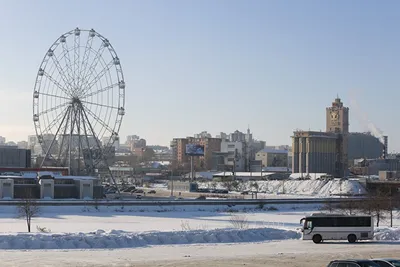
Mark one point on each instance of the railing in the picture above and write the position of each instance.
(186, 202)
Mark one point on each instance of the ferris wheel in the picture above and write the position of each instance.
(78, 101)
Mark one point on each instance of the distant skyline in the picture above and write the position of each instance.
(220, 65)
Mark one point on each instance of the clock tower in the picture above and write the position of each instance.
(337, 118)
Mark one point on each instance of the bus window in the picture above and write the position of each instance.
(308, 225)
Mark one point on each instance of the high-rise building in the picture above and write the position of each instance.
(2, 140)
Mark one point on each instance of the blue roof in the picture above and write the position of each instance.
(277, 151)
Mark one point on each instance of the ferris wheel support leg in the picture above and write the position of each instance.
(54, 138)
(100, 149)
(70, 145)
(91, 171)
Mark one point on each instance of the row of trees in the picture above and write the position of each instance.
(383, 204)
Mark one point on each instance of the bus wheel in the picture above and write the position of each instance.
(317, 239)
(352, 238)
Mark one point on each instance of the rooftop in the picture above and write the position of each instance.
(277, 151)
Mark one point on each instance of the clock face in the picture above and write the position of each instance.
(334, 115)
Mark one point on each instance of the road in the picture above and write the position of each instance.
(290, 253)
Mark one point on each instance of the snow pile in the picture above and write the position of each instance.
(120, 239)
(388, 234)
(322, 188)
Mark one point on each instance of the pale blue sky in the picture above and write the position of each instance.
(218, 65)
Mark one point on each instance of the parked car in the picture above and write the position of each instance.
(387, 262)
(352, 263)
(151, 192)
(129, 189)
(139, 191)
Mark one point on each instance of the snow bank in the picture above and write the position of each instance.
(119, 239)
(388, 234)
(321, 188)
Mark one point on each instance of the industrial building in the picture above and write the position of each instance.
(335, 149)
(364, 145)
(316, 152)
(324, 152)
(12, 156)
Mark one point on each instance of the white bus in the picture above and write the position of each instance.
(320, 226)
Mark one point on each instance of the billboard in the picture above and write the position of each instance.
(194, 150)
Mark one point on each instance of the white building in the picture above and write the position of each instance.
(2, 140)
(203, 134)
(235, 154)
(22, 144)
(32, 141)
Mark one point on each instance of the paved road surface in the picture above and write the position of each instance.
(294, 253)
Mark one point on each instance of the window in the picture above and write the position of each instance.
(231, 146)
(342, 221)
(383, 264)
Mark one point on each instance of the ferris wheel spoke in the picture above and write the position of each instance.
(60, 71)
(53, 109)
(85, 60)
(55, 121)
(67, 60)
(98, 76)
(77, 40)
(94, 116)
(101, 90)
(51, 79)
(89, 73)
(97, 104)
(55, 96)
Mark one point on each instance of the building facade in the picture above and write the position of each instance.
(235, 158)
(273, 158)
(316, 152)
(178, 146)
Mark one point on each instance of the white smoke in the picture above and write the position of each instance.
(362, 116)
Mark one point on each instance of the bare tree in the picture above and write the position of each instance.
(27, 209)
(239, 221)
(376, 204)
(348, 207)
(329, 206)
(255, 186)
